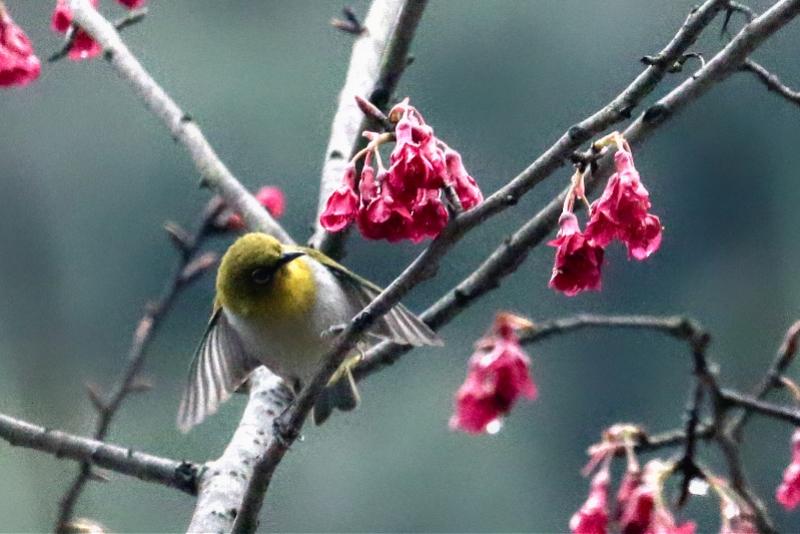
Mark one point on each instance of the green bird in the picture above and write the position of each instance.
(280, 305)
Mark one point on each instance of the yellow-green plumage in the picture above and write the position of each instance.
(276, 305)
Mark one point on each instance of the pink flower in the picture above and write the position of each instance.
(643, 510)
(384, 218)
(498, 374)
(621, 212)
(18, 64)
(429, 216)
(271, 198)
(132, 4)
(342, 204)
(592, 518)
(83, 46)
(788, 493)
(637, 509)
(467, 190)
(578, 260)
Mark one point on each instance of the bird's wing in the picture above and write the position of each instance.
(398, 325)
(219, 367)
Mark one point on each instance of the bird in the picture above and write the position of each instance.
(281, 306)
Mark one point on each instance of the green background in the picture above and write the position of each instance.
(88, 177)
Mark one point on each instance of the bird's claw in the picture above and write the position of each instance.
(333, 331)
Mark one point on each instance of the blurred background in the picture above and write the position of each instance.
(88, 178)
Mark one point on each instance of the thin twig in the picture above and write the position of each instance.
(771, 81)
(752, 404)
(183, 128)
(189, 267)
(379, 58)
(181, 475)
(783, 359)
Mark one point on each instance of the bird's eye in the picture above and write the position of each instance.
(261, 275)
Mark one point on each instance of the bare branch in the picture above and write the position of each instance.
(224, 481)
(771, 380)
(181, 475)
(771, 81)
(379, 57)
(187, 270)
(752, 404)
(213, 172)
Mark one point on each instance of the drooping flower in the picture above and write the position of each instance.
(270, 197)
(83, 45)
(469, 194)
(407, 200)
(18, 64)
(341, 207)
(622, 211)
(592, 517)
(578, 260)
(498, 374)
(788, 493)
(644, 510)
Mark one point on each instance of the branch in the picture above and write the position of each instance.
(771, 81)
(130, 18)
(752, 404)
(771, 380)
(172, 473)
(514, 249)
(188, 269)
(681, 328)
(223, 481)
(379, 57)
(184, 130)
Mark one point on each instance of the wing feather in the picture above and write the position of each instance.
(220, 365)
(398, 325)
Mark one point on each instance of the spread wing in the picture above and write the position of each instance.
(219, 367)
(398, 325)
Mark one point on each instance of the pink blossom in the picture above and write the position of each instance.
(637, 510)
(270, 197)
(467, 190)
(429, 216)
(498, 374)
(578, 260)
(341, 207)
(83, 46)
(18, 64)
(621, 212)
(132, 4)
(788, 493)
(384, 218)
(592, 517)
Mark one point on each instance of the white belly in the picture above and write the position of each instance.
(293, 349)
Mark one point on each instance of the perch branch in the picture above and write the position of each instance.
(181, 475)
(379, 57)
(189, 268)
(771, 81)
(184, 130)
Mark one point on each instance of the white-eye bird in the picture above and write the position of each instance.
(279, 305)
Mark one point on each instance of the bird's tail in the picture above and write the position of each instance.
(341, 392)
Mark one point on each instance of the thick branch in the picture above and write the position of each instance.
(379, 57)
(180, 475)
(213, 172)
(224, 480)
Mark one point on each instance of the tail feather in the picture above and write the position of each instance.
(341, 394)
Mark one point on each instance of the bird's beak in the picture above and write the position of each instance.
(288, 257)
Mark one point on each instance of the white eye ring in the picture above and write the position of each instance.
(261, 275)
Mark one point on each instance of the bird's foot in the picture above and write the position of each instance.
(333, 331)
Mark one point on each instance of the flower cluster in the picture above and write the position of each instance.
(82, 45)
(407, 200)
(270, 197)
(639, 507)
(498, 374)
(788, 493)
(18, 64)
(621, 213)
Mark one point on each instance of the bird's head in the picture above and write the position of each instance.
(251, 269)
